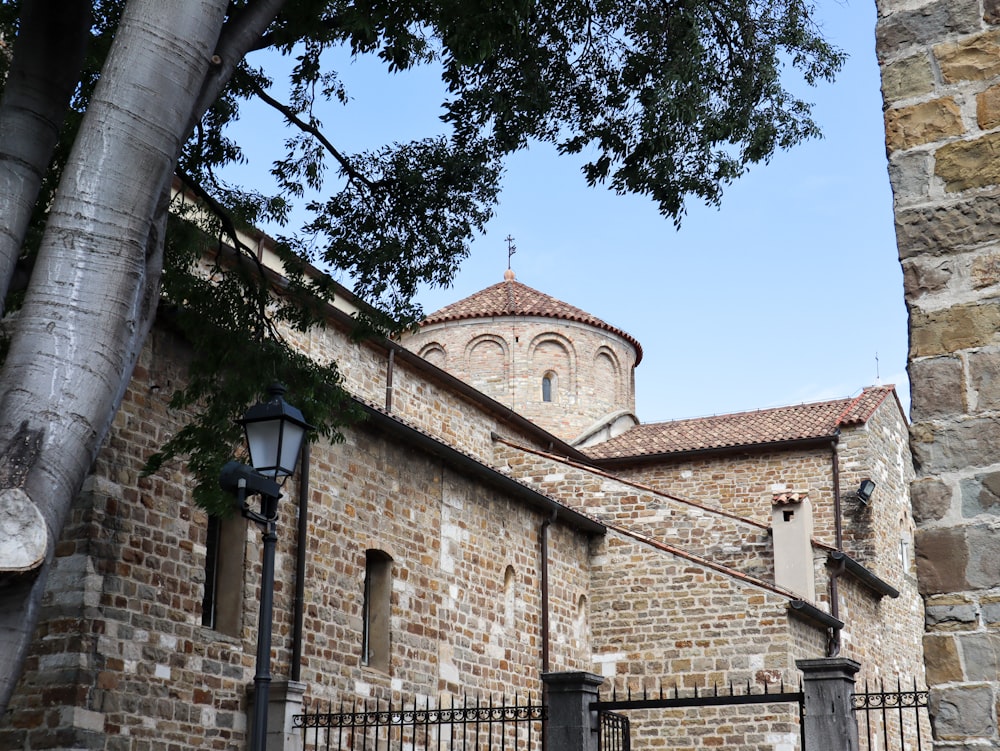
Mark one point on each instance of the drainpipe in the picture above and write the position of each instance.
(544, 576)
(544, 573)
(298, 607)
(388, 379)
(833, 645)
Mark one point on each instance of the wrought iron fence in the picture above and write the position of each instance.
(615, 733)
(889, 720)
(469, 726)
(719, 697)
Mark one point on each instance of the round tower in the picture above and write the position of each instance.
(562, 368)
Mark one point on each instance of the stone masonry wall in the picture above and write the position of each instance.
(881, 633)
(745, 484)
(507, 357)
(941, 85)
(659, 618)
(425, 401)
(121, 660)
(741, 545)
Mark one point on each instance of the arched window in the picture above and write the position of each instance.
(376, 610)
(548, 386)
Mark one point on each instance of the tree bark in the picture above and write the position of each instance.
(45, 69)
(96, 280)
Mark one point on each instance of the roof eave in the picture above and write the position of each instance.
(745, 448)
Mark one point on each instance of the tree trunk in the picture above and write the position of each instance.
(48, 55)
(96, 281)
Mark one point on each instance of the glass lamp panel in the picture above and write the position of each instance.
(263, 438)
(291, 443)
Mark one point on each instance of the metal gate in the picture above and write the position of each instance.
(610, 732)
(890, 720)
(472, 725)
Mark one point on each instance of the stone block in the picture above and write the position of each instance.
(925, 276)
(985, 270)
(991, 11)
(981, 653)
(928, 23)
(940, 332)
(964, 165)
(938, 388)
(983, 571)
(922, 123)
(939, 230)
(947, 613)
(942, 557)
(941, 659)
(962, 712)
(909, 77)
(988, 108)
(990, 611)
(984, 378)
(981, 495)
(974, 58)
(955, 446)
(910, 174)
(930, 499)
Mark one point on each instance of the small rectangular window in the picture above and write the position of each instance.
(222, 600)
(376, 610)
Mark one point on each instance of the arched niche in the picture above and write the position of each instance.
(434, 353)
(607, 370)
(552, 356)
(486, 360)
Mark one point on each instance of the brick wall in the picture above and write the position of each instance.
(121, 660)
(657, 618)
(940, 67)
(742, 545)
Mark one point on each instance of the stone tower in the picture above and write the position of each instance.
(564, 369)
(940, 64)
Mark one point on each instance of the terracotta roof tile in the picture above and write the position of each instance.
(511, 298)
(783, 499)
(777, 425)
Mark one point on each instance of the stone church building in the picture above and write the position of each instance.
(501, 513)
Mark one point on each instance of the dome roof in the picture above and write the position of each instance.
(511, 298)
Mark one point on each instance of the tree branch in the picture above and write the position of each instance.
(48, 56)
(349, 169)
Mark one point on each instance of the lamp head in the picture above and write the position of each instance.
(274, 430)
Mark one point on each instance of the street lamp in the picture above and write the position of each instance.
(274, 432)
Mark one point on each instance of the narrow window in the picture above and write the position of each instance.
(222, 600)
(211, 573)
(509, 599)
(376, 610)
(547, 382)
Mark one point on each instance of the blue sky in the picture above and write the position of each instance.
(787, 293)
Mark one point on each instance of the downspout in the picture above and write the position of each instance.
(298, 606)
(833, 644)
(388, 379)
(544, 576)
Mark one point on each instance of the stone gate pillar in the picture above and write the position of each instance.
(940, 62)
(571, 726)
(828, 715)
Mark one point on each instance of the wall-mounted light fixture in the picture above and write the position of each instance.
(274, 432)
(865, 491)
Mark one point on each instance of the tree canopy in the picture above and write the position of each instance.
(105, 104)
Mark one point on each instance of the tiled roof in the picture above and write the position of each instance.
(511, 298)
(765, 426)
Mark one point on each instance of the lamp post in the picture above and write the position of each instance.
(274, 432)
